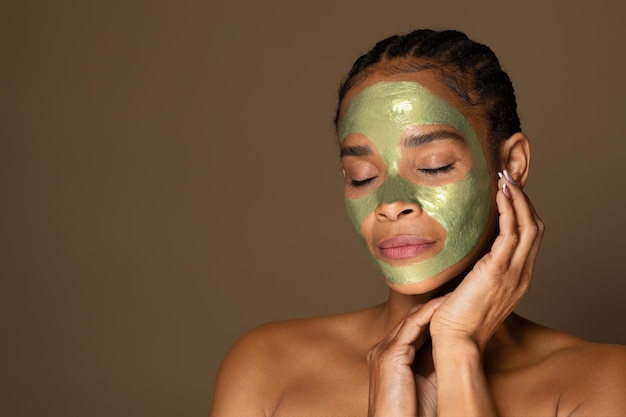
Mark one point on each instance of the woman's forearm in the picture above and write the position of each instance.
(462, 388)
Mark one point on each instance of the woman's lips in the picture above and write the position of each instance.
(403, 247)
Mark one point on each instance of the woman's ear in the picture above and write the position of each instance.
(515, 157)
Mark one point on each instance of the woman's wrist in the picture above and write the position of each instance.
(456, 349)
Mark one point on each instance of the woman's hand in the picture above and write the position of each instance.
(395, 390)
(498, 281)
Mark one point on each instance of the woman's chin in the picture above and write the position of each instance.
(436, 283)
(419, 287)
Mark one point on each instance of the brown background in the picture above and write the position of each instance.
(169, 180)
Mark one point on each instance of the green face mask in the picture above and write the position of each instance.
(382, 113)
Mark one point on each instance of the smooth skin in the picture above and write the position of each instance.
(446, 346)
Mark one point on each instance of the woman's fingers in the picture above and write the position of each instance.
(534, 250)
(520, 230)
(415, 323)
(404, 337)
(529, 231)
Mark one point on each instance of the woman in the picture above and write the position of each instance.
(434, 162)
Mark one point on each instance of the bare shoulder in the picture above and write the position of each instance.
(593, 377)
(268, 359)
(589, 378)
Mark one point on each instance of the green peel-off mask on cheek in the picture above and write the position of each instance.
(382, 113)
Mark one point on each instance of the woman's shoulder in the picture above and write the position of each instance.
(550, 347)
(590, 376)
(590, 362)
(593, 376)
(564, 347)
(299, 336)
(269, 358)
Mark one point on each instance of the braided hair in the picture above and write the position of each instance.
(469, 68)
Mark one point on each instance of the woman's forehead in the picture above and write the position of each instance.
(427, 78)
(428, 85)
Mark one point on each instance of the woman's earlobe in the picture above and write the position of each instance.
(515, 157)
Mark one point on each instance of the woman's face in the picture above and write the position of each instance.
(418, 187)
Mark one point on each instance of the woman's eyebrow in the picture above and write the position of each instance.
(424, 138)
(357, 150)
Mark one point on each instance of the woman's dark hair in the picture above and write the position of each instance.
(471, 69)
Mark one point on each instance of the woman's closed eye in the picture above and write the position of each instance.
(361, 183)
(438, 170)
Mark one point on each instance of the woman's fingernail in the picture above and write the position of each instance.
(505, 190)
(508, 177)
(499, 174)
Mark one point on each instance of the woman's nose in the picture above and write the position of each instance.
(396, 210)
(395, 200)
